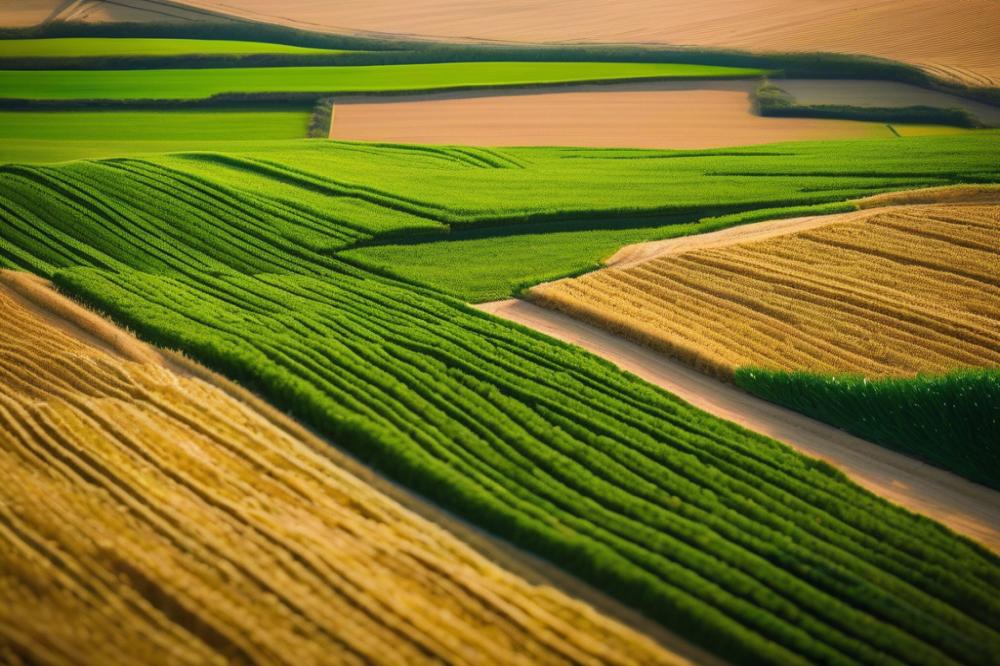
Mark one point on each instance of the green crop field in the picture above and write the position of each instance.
(201, 83)
(483, 266)
(578, 217)
(66, 47)
(53, 136)
(952, 421)
(735, 541)
(333, 280)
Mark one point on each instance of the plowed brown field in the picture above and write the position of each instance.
(887, 293)
(953, 39)
(148, 516)
(663, 114)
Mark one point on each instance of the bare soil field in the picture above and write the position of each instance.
(669, 114)
(98, 11)
(964, 506)
(22, 13)
(888, 292)
(882, 93)
(147, 515)
(953, 39)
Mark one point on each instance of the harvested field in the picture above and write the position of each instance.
(138, 11)
(149, 516)
(889, 293)
(717, 533)
(883, 94)
(669, 114)
(952, 39)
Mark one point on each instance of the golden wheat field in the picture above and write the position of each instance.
(147, 515)
(891, 293)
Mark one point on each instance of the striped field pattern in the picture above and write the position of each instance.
(892, 294)
(148, 516)
(724, 536)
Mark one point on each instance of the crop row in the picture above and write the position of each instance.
(325, 567)
(951, 420)
(890, 294)
(723, 535)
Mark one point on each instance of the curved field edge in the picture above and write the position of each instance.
(383, 50)
(363, 576)
(951, 421)
(725, 536)
(149, 86)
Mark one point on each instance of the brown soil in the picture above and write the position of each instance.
(689, 114)
(953, 39)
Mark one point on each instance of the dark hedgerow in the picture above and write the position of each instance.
(952, 421)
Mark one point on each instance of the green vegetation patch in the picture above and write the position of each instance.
(202, 83)
(567, 210)
(725, 536)
(54, 136)
(70, 47)
(479, 268)
(952, 421)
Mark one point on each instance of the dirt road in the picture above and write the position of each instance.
(756, 231)
(744, 233)
(965, 507)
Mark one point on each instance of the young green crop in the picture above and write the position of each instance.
(730, 538)
(952, 421)
(202, 83)
(141, 46)
(55, 136)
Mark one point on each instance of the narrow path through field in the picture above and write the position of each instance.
(745, 233)
(963, 506)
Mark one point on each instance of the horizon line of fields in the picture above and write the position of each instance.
(180, 84)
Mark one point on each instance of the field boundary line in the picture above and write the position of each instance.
(76, 320)
(963, 506)
(639, 253)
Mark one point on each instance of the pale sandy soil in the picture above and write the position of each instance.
(21, 13)
(952, 39)
(57, 323)
(670, 114)
(883, 93)
(638, 253)
(631, 255)
(33, 12)
(965, 507)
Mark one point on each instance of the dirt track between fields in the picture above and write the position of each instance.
(963, 506)
(631, 255)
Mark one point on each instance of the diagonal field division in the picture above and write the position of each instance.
(725, 536)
